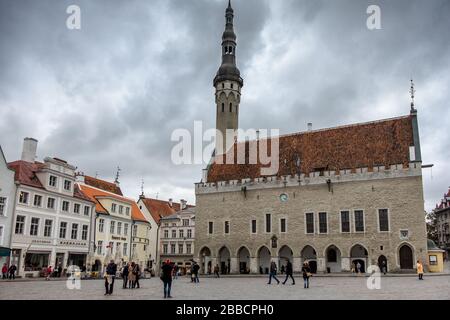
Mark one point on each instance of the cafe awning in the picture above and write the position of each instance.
(5, 252)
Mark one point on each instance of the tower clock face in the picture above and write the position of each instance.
(283, 197)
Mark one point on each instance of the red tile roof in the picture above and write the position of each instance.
(161, 208)
(382, 142)
(25, 173)
(102, 184)
(94, 194)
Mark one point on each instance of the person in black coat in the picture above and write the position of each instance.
(306, 271)
(111, 271)
(12, 272)
(273, 273)
(289, 273)
(166, 278)
(125, 272)
(195, 269)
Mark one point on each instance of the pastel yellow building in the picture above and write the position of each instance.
(435, 257)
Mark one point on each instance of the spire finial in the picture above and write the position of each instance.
(117, 174)
(229, 3)
(142, 187)
(412, 91)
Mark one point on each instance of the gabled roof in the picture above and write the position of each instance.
(160, 208)
(95, 194)
(25, 173)
(102, 184)
(383, 142)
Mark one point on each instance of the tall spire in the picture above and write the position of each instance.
(412, 91)
(228, 69)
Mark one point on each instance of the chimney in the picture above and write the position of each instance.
(29, 149)
(204, 175)
(170, 202)
(309, 126)
(183, 204)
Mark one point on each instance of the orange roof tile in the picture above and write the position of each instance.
(160, 208)
(102, 184)
(95, 193)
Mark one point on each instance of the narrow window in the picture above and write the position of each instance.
(359, 221)
(20, 222)
(48, 228)
(231, 107)
(268, 223)
(62, 230)
(253, 226)
(345, 221)
(383, 218)
(210, 227)
(223, 107)
(34, 226)
(309, 222)
(227, 227)
(323, 227)
(283, 225)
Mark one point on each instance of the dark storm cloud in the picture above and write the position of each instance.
(112, 93)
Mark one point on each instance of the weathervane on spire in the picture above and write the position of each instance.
(117, 174)
(142, 188)
(412, 91)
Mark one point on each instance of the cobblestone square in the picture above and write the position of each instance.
(238, 288)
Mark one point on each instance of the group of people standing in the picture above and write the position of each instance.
(131, 273)
(306, 273)
(9, 273)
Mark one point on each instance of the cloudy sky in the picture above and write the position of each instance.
(111, 93)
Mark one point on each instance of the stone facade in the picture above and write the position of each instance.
(399, 190)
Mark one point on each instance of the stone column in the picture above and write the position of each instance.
(345, 264)
(234, 265)
(52, 261)
(254, 265)
(321, 265)
(297, 264)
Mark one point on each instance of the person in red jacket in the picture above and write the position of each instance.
(5, 271)
(49, 272)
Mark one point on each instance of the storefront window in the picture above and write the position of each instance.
(36, 261)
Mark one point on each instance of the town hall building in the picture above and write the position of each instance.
(341, 196)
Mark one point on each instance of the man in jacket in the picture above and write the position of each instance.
(125, 272)
(273, 273)
(195, 269)
(12, 272)
(166, 278)
(289, 272)
(111, 270)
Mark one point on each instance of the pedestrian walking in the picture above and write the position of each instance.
(306, 271)
(131, 276)
(289, 272)
(175, 272)
(384, 267)
(12, 272)
(137, 273)
(125, 272)
(420, 269)
(110, 275)
(166, 278)
(358, 268)
(49, 273)
(195, 269)
(216, 271)
(273, 273)
(5, 271)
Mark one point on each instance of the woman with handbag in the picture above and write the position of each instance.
(306, 271)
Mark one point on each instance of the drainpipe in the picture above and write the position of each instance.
(157, 263)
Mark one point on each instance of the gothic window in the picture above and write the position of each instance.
(223, 85)
(231, 107)
(232, 86)
(230, 50)
(332, 255)
(226, 50)
(223, 107)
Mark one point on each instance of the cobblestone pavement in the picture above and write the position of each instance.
(245, 288)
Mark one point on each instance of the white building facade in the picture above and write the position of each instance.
(7, 194)
(52, 219)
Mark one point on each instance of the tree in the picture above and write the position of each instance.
(431, 221)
